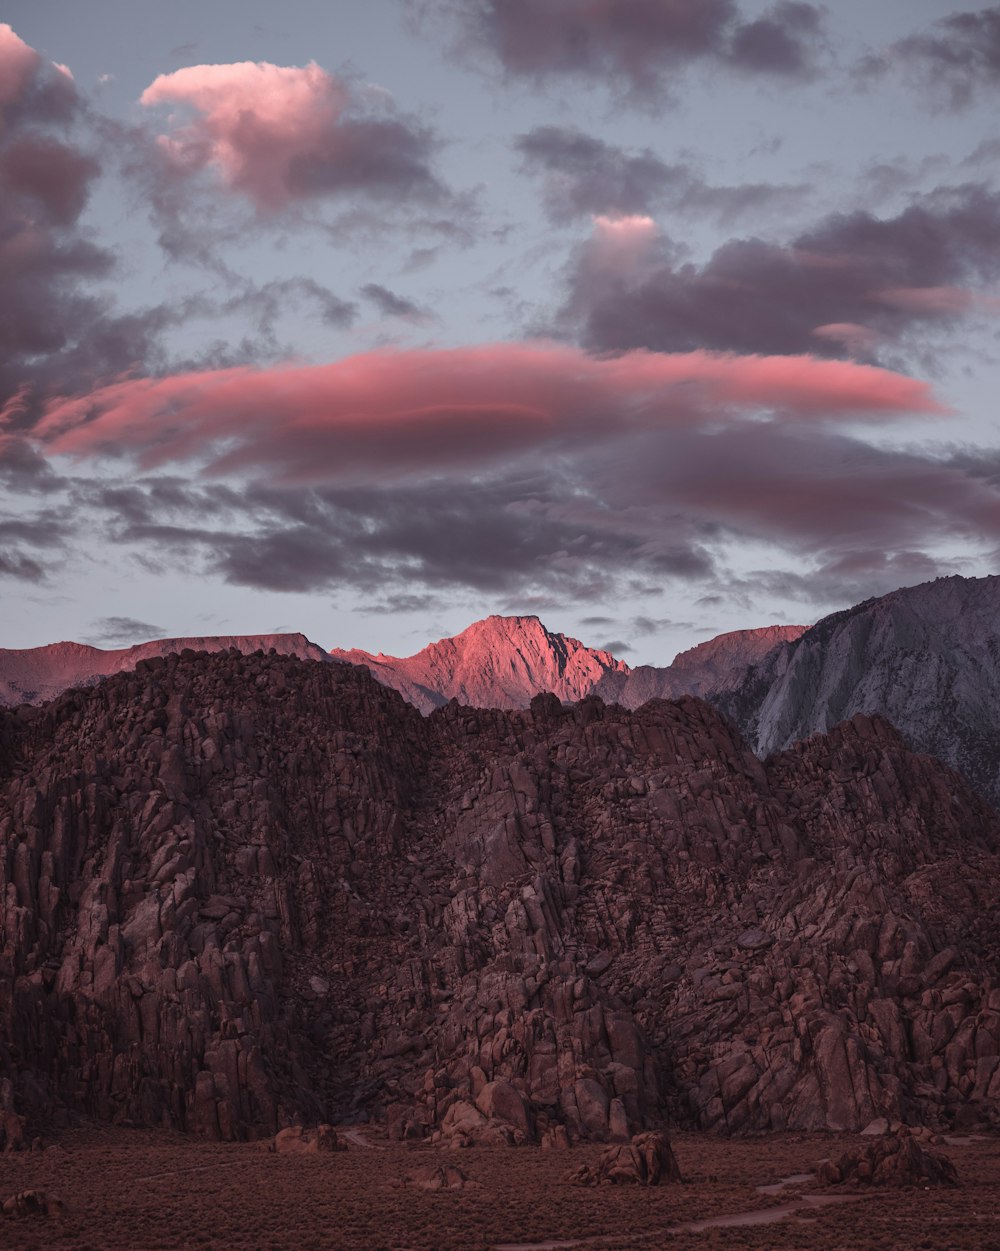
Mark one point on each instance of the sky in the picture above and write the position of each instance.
(654, 318)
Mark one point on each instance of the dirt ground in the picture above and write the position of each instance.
(131, 1189)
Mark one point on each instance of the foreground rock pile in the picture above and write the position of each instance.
(241, 892)
(897, 1159)
(648, 1160)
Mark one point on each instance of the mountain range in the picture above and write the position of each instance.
(927, 658)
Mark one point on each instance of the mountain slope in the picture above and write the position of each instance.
(33, 675)
(925, 657)
(711, 666)
(240, 890)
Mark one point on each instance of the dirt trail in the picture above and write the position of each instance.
(801, 1204)
(359, 1138)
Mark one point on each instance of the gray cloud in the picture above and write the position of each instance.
(637, 46)
(583, 175)
(123, 631)
(841, 287)
(951, 62)
(389, 304)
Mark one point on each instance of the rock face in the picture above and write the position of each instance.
(503, 662)
(33, 675)
(925, 657)
(241, 892)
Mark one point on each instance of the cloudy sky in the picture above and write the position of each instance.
(656, 318)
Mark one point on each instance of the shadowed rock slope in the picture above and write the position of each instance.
(237, 891)
(32, 675)
(925, 657)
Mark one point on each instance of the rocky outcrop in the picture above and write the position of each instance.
(297, 1140)
(33, 675)
(648, 1160)
(927, 658)
(243, 892)
(897, 1159)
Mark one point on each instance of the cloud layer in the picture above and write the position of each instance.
(387, 413)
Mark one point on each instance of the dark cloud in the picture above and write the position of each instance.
(616, 647)
(124, 631)
(584, 176)
(952, 61)
(389, 304)
(783, 41)
(637, 46)
(843, 286)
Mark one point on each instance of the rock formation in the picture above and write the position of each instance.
(243, 892)
(896, 1159)
(927, 658)
(648, 1160)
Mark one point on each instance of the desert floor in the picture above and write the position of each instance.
(151, 1190)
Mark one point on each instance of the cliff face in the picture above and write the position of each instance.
(238, 890)
(927, 658)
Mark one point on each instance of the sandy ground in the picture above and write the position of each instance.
(148, 1189)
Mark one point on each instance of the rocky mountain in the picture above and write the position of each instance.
(500, 662)
(925, 657)
(503, 662)
(32, 675)
(240, 891)
(710, 667)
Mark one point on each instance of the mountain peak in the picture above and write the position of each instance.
(498, 662)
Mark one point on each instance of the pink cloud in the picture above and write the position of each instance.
(277, 133)
(927, 299)
(392, 413)
(854, 337)
(18, 63)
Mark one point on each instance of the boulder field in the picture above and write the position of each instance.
(240, 892)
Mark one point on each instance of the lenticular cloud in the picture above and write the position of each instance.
(477, 407)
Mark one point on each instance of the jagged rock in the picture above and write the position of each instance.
(648, 1160)
(295, 1140)
(895, 1159)
(545, 924)
(32, 1203)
